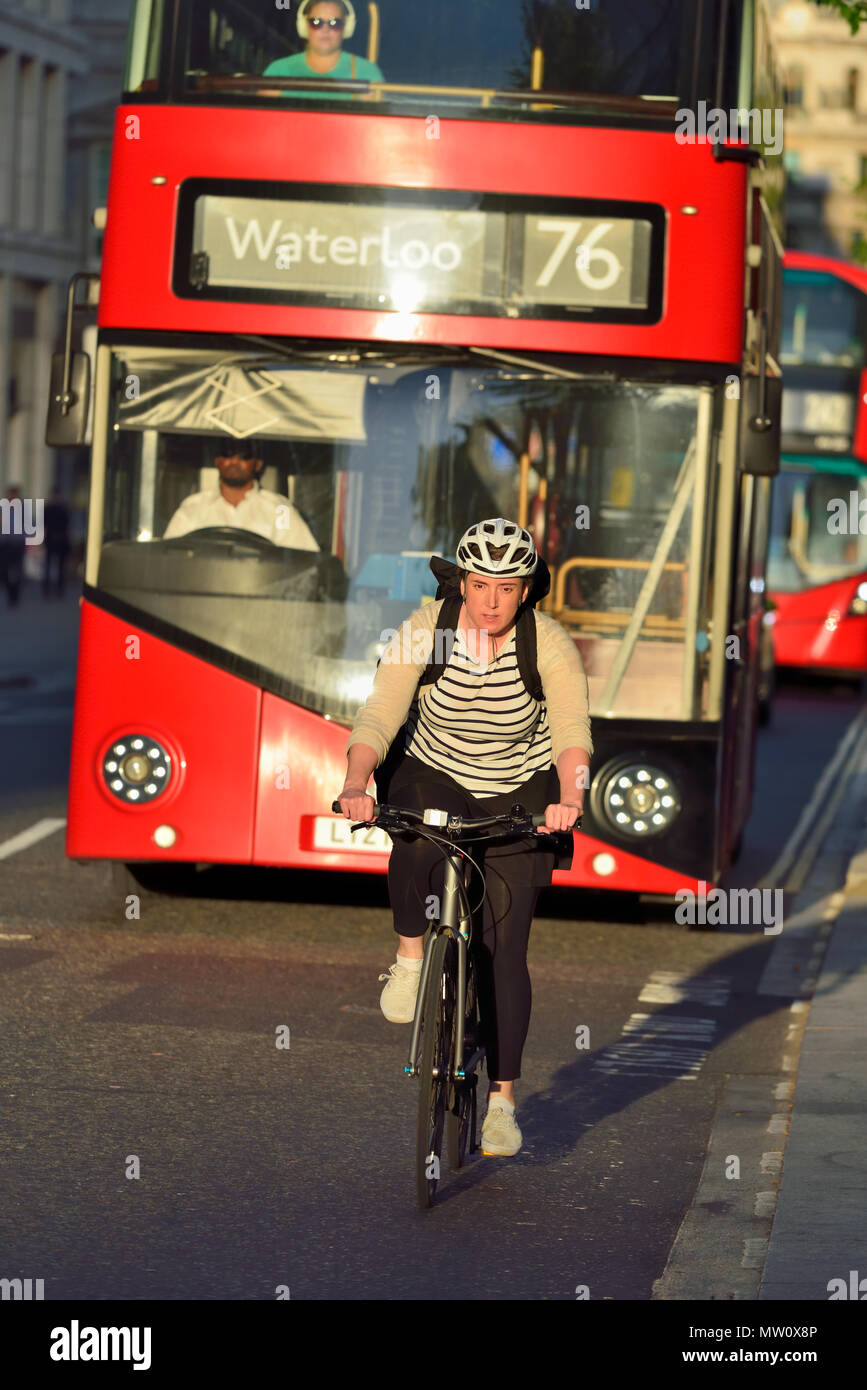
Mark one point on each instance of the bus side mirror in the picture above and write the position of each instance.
(66, 423)
(760, 425)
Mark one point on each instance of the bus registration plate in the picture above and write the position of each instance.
(332, 832)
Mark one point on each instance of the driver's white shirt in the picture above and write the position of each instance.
(259, 510)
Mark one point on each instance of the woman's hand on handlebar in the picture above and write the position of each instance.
(559, 816)
(356, 804)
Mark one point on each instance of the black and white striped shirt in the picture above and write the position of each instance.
(479, 723)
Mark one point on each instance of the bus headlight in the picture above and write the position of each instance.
(637, 799)
(858, 604)
(136, 769)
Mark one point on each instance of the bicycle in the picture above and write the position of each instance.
(447, 1004)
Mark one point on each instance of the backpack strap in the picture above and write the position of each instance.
(443, 639)
(352, 64)
(526, 652)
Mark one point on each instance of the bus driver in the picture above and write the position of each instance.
(240, 501)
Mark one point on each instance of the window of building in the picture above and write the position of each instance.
(29, 84)
(8, 97)
(852, 89)
(52, 151)
(793, 87)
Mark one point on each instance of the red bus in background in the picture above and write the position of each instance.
(495, 283)
(817, 558)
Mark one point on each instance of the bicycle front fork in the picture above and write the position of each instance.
(455, 921)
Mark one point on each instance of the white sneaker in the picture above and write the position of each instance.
(397, 1000)
(501, 1136)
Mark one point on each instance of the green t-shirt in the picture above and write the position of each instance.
(296, 65)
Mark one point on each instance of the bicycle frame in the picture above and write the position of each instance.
(457, 920)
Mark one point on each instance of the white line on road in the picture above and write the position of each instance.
(660, 1045)
(30, 837)
(678, 987)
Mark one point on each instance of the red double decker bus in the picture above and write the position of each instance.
(817, 558)
(496, 274)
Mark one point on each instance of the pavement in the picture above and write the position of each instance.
(39, 636)
(819, 1231)
(810, 1181)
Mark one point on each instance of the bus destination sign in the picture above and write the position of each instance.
(499, 257)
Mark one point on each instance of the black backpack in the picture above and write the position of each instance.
(449, 590)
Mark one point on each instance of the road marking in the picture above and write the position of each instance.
(755, 1252)
(794, 954)
(793, 846)
(677, 987)
(675, 1047)
(29, 837)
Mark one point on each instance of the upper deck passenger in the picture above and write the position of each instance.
(324, 24)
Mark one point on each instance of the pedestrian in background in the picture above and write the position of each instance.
(56, 525)
(12, 544)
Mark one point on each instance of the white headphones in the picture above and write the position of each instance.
(304, 28)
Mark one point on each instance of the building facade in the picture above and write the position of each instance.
(61, 66)
(39, 52)
(824, 69)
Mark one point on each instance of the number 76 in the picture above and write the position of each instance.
(586, 252)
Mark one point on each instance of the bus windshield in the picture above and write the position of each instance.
(363, 467)
(823, 321)
(816, 534)
(485, 53)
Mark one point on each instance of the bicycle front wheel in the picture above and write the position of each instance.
(461, 1118)
(437, 1065)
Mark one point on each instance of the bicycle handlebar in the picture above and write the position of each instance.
(517, 819)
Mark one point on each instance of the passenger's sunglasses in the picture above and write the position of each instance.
(332, 23)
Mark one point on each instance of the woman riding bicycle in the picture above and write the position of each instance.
(477, 741)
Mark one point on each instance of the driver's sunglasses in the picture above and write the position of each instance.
(332, 23)
(240, 449)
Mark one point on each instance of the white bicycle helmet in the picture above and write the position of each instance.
(474, 547)
(303, 27)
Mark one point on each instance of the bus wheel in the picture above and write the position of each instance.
(152, 877)
(122, 878)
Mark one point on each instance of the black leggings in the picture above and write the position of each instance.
(515, 872)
